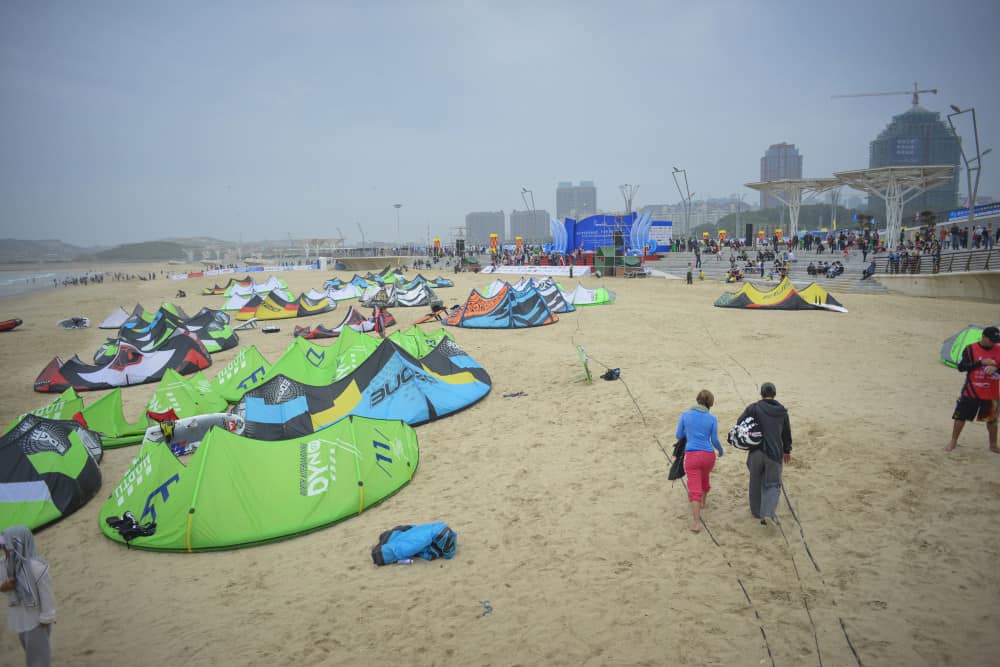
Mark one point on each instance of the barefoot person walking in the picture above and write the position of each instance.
(701, 429)
(981, 391)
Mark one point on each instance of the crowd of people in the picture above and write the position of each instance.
(828, 269)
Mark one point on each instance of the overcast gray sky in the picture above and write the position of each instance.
(130, 121)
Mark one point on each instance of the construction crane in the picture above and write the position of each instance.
(362, 235)
(915, 93)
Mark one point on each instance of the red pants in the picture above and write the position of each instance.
(698, 466)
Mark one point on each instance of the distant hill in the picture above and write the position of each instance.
(16, 251)
(148, 251)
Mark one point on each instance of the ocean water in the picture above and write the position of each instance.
(22, 282)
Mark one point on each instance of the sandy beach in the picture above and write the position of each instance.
(568, 529)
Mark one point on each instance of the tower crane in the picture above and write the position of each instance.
(915, 93)
(362, 235)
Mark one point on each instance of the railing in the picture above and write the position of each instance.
(951, 262)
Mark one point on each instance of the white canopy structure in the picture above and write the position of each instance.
(897, 186)
(789, 192)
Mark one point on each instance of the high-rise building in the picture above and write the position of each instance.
(780, 161)
(576, 201)
(917, 137)
(532, 226)
(479, 226)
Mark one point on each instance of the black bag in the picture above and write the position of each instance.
(677, 467)
(746, 435)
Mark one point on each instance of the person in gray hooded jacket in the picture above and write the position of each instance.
(765, 461)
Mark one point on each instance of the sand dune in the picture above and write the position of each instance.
(568, 528)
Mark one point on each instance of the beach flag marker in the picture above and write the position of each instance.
(580, 352)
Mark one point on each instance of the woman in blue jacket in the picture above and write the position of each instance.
(701, 429)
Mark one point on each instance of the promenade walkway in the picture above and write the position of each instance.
(676, 263)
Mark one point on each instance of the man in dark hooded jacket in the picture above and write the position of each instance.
(765, 461)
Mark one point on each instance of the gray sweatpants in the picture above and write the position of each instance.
(765, 484)
(37, 649)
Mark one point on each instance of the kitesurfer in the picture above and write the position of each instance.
(981, 392)
(701, 428)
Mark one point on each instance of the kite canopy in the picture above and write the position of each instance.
(784, 296)
(115, 320)
(951, 349)
(177, 397)
(391, 295)
(184, 353)
(216, 290)
(509, 308)
(550, 291)
(211, 327)
(581, 296)
(274, 307)
(104, 416)
(411, 376)
(343, 292)
(272, 284)
(354, 319)
(48, 469)
(237, 492)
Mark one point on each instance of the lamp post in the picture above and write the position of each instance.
(524, 197)
(686, 199)
(969, 168)
(399, 242)
(739, 215)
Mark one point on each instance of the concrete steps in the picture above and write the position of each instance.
(849, 282)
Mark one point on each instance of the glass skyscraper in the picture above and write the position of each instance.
(917, 137)
(780, 161)
(576, 201)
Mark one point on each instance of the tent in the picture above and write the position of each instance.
(235, 492)
(183, 353)
(507, 309)
(784, 296)
(951, 349)
(413, 376)
(48, 469)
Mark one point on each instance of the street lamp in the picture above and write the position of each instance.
(524, 198)
(969, 168)
(399, 242)
(739, 214)
(685, 199)
(628, 192)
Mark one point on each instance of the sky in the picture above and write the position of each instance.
(129, 121)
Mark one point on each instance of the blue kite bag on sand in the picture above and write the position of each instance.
(428, 541)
